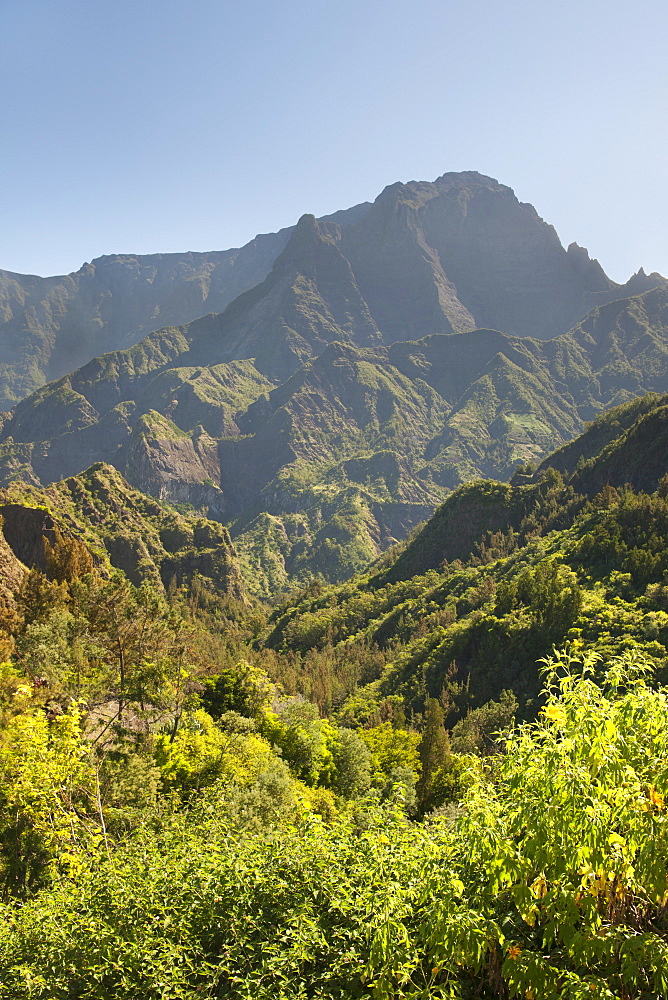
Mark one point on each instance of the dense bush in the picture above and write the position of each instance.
(200, 799)
(550, 883)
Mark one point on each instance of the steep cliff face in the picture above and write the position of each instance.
(171, 465)
(309, 300)
(120, 527)
(442, 257)
(12, 573)
(24, 529)
(463, 252)
(49, 326)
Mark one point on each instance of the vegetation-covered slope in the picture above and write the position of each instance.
(178, 819)
(301, 415)
(199, 797)
(548, 884)
(116, 526)
(502, 572)
(322, 472)
(49, 326)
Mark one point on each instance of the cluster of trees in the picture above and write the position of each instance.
(549, 881)
(470, 630)
(201, 799)
(120, 705)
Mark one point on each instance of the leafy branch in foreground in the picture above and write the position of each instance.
(563, 858)
(552, 882)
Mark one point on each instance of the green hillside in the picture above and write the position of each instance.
(502, 573)
(395, 786)
(121, 528)
(355, 448)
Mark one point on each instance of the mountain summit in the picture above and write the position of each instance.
(371, 362)
(442, 257)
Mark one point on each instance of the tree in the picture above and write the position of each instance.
(244, 688)
(352, 763)
(434, 752)
(47, 799)
(136, 635)
(478, 731)
(392, 749)
(67, 558)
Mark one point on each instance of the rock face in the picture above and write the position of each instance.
(120, 527)
(173, 466)
(24, 529)
(49, 326)
(332, 406)
(463, 252)
(442, 257)
(12, 573)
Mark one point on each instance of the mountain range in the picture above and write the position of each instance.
(461, 611)
(355, 369)
(403, 773)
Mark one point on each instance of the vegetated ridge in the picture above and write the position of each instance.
(336, 796)
(502, 572)
(49, 326)
(116, 526)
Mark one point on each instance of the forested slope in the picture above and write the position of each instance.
(503, 572)
(196, 800)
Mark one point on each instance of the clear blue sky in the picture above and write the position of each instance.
(156, 125)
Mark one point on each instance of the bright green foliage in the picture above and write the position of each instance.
(392, 750)
(197, 802)
(303, 740)
(452, 780)
(550, 591)
(550, 883)
(466, 632)
(130, 785)
(17, 695)
(243, 688)
(564, 857)
(201, 753)
(352, 763)
(47, 785)
(137, 639)
(202, 911)
(478, 732)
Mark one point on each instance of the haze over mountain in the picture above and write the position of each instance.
(426, 258)
(330, 407)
